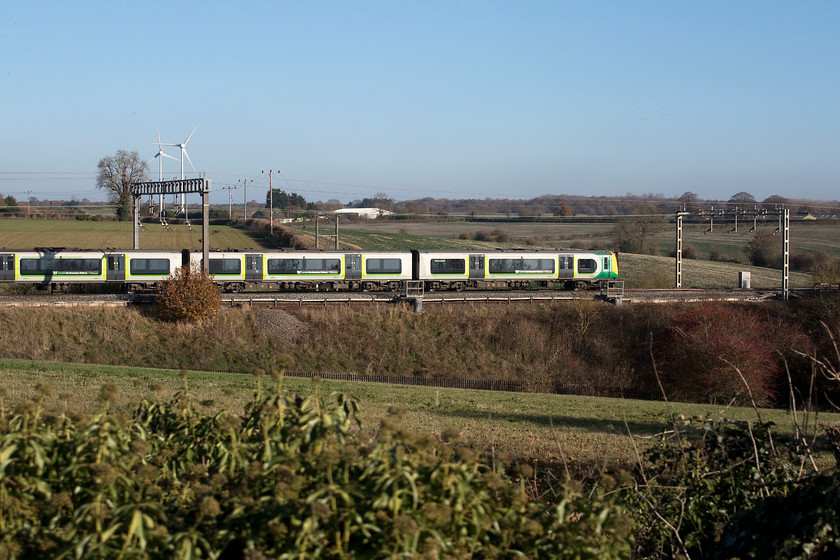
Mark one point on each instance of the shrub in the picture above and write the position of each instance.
(825, 268)
(707, 349)
(189, 295)
(765, 250)
(291, 478)
(688, 252)
(690, 489)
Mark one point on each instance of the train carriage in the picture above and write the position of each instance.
(513, 268)
(310, 270)
(61, 267)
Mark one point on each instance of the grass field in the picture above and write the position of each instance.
(584, 430)
(28, 234)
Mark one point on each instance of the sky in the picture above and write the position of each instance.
(413, 98)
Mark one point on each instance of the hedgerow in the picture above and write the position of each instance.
(292, 477)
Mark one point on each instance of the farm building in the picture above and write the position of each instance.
(369, 213)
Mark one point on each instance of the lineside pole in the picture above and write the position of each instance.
(134, 200)
(678, 279)
(786, 248)
(205, 225)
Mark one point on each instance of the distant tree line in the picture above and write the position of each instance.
(287, 201)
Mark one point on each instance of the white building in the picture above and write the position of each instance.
(369, 213)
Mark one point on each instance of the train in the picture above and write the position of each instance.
(320, 270)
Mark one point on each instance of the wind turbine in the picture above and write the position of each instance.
(183, 147)
(159, 156)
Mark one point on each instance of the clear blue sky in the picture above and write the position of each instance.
(449, 99)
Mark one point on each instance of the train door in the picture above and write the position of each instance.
(115, 271)
(7, 268)
(477, 266)
(253, 268)
(352, 267)
(566, 267)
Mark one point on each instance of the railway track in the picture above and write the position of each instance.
(356, 299)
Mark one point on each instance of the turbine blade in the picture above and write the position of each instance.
(170, 157)
(188, 158)
(191, 133)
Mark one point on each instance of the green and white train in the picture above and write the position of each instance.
(316, 270)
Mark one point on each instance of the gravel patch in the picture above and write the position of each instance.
(280, 326)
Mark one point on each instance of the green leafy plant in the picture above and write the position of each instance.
(292, 477)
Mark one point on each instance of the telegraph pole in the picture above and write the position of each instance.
(230, 202)
(245, 183)
(271, 206)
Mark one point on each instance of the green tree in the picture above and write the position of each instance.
(284, 200)
(116, 174)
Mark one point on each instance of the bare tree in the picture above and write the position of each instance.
(116, 174)
(689, 200)
(742, 197)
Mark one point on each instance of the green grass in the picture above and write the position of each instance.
(584, 430)
(646, 271)
(28, 234)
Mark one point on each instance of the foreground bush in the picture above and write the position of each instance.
(722, 489)
(291, 478)
(189, 295)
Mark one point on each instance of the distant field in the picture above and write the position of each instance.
(28, 234)
(586, 430)
(644, 271)
(804, 238)
(444, 235)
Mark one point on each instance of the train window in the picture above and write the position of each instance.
(149, 266)
(283, 266)
(383, 266)
(514, 266)
(225, 266)
(324, 266)
(566, 263)
(304, 266)
(49, 265)
(448, 266)
(587, 266)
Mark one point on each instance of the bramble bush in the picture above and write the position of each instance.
(712, 352)
(292, 477)
(725, 489)
(189, 295)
